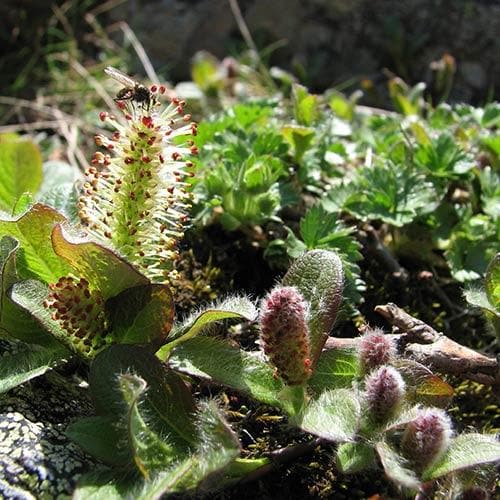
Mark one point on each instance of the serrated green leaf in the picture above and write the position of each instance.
(20, 169)
(235, 307)
(318, 275)
(392, 193)
(216, 360)
(57, 174)
(334, 415)
(28, 362)
(63, 198)
(100, 266)
(354, 457)
(336, 368)
(466, 450)
(395, 467)
(32, 230)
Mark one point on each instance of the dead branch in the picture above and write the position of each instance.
(420, 342)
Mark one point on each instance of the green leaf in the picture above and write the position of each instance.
(216, 448)
(492, 282)
(466, 450)
(205, 72)
(32, 230)
(103, 484)
(103, 269)
(300, 138)
(101, 437)
(15, 321)
(216, 360)
(319, 277)
(395, 467)
(443, 158)
(20, 169)
(168, 401)
(306, 108)
(150, 452)
(336, 368)
(141, 315)
(354, 457)
(26, 363)
(392, 193)
(334, 415)
(235, 307)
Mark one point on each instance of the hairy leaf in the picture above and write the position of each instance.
(236, 307)
(334, 415)
(318, 275)
(395, 467)
(214, 359)
(354, 457)
(336, 368)
(28, 362)
(466, 450)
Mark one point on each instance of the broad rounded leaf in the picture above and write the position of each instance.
(32, 230)
(20, 169)
(100, 266)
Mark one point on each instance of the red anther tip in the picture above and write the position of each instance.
(153, 88)
(147, 121)
(162, 89)
(103, 115)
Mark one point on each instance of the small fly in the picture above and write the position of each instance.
(133, 91)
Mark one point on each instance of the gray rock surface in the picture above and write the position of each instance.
(36, 458)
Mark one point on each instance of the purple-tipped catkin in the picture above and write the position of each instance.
(375, 348)
(285, 334)
(426, 437)
(384, 392)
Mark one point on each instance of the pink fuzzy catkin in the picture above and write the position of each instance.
(285, 334)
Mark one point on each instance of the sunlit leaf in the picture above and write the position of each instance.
(20, 169)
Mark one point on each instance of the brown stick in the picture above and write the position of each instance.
(420, 342)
